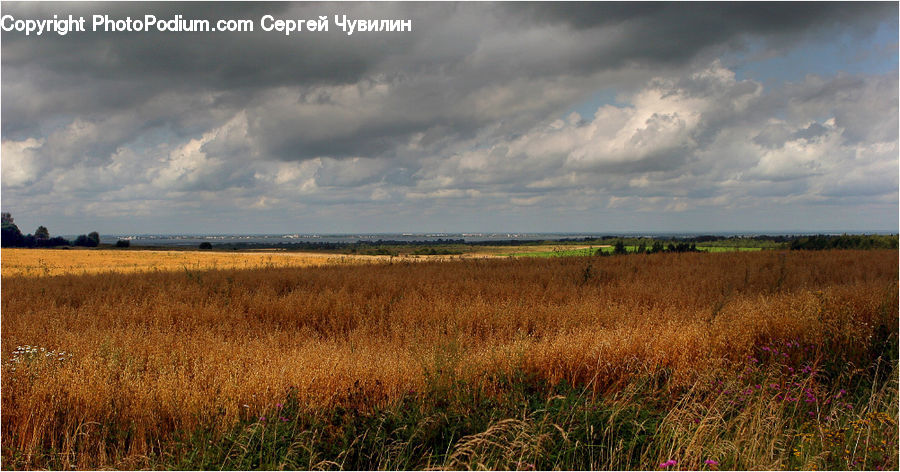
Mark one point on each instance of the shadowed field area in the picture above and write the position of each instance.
(304, 367)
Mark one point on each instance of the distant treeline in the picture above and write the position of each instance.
(13, 237)
(658, 246)
(650, 244)
(845, 241)
(821, 241)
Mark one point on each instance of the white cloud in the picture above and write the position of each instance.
(706, 139)
(20, 164)
(204, 162)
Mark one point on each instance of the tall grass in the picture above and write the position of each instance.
(454, 364)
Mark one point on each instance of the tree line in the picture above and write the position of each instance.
(657, 246)
(845, 241)
(12, 236)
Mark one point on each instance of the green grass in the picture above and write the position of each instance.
(727, 248)
(559, 252)
(556, 253)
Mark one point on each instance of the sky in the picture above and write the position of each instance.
(484, 117)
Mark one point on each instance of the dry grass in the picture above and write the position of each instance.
(51, 262)
(159, 352)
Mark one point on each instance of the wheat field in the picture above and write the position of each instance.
(49, 262)
(104, 367)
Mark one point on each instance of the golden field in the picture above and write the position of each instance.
(50, 262)
(217, 338)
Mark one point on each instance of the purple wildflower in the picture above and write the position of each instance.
(711, 462)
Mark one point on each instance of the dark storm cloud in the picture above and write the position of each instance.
(676, 31)
(92, 73)
(455, 54)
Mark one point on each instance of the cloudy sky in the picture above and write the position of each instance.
(596, 117)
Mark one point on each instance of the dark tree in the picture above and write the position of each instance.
(82, 240)
(42, 233)
(206, 245)
(95, 237)
(11, 236)
(123, 243)
(52, 242)
(86, 241)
